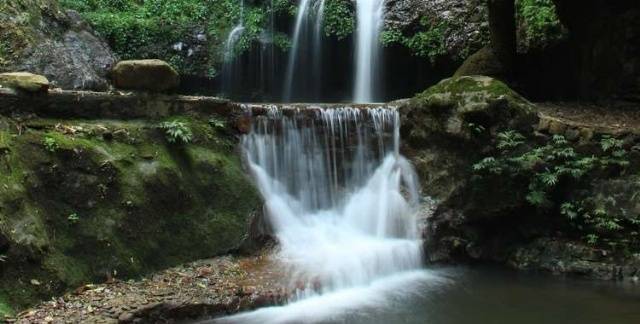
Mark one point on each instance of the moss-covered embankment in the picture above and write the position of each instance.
(90, 199)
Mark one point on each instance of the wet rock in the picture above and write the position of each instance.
(24, 81)
(151, 75)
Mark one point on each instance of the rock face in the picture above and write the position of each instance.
(566, 257)
(24, 81)
(465, 21)
(151, 75)
(36, 36)
(454, 127)
(86, 201)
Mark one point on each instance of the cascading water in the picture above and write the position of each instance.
(343, 205)
(370, 17)
(304, 53)
(229, 64)
(317, 48)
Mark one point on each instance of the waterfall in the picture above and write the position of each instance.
(229, 63)
(343, 204)
(370, 17)
(303, 54)
(317, 49)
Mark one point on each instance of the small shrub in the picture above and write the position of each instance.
(538, 23)
(176, 132)
(429, 42)
(50, 144)
(339, 19)
(73, 218)
(217, 123)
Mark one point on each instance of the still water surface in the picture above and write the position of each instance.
(481, 295)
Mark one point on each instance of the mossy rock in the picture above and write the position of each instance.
(447, 129)
(82, 201)
(151, 75)
(24, 81)
(466, 108)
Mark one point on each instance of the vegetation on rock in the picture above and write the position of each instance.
(562, 179)
(501, 185)
(189, 34)
(82, 201)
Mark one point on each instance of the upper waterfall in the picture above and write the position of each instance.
(370, 18)
(305, 51)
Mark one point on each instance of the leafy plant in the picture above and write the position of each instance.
(50, 144)
(538, 22)
(151, 28)
(217, 123)
(339, 18)
(554, 164)
(176, 132)
(73, 218)
(429, 42)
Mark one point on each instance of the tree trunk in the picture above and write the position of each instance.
(502, 26)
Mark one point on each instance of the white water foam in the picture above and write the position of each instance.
(343, 204)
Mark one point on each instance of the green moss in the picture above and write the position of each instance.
(139, 204)
(468, 89)
(5, 309)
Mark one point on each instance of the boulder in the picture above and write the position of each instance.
(447, 129)
(39, 37)
(465, 108)
(25, 81)
(150, 75)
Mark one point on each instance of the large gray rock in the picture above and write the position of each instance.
(42, 39)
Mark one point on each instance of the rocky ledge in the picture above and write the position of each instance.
(196, 290)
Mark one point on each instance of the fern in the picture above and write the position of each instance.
(177, 132)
